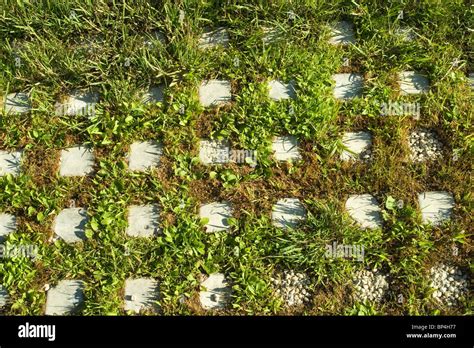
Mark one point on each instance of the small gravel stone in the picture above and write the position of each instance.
(370, 285)
(292, 287)
(449, 284)
(424, 145)
(17, 103)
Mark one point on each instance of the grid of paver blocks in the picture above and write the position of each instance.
(142, 294)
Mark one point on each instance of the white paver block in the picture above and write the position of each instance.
(342, 33)
(7, 225)
(154, 95)
(4, 297)
(10, 162)
(218, 214)
(348, 85)
(144, 155)
(217, 292)
(214, 151)
(214, 92)
(356, 143)
(413, 83)
(365, 210)
(436, 206)
(155, 37)
(17, 103)
(278, 90)
(285, 148)
(471, 80)
(65, 298)
(143, 220)
(78, 103)
(214, 38)
(70, 224)
(288, 213)
(76, 161)
(141, 294)
(271, 35)
(406, 34)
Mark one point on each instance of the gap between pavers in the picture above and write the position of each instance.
(65, 298)
(7, 225)
(144, 155)
(214, 38)
(10, 162)
(155, 94)
(17, 103)
(214, 151)
(288, 213)
(436, 206)
(218, 214)
(411, 82)
(217, 292)
(285, 148)
(365, 210)
(279, 90)
(143, 220)
(356, 143)
(70, 224)
(78, 103)
(214, 92)
(342, 33)
(4, 297)
(141, 294)
(348, 85)
(76, 161)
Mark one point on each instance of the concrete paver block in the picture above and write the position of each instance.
(214, 151)
(413, 83)
(285, 148)
(365, 210)
(288, 213)
(70, 224)
(7, 225)
(214, 38)
(65, 298)
(278, 90)
(217, 292)
(348, 86)
(144, 155)
(141, 294)
(76, 161)
(10, 162)
(218, 214)
(17, 103)
(342, 33)
(214, 92)
(78, 103)
(143, 220)
(436, 206)
(4, 297)
(155, 94)
(356, 143)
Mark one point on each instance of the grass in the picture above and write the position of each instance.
(50, 48)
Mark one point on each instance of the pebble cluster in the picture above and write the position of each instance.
(292, 287)
(424, 145)
(449, 283)
(370, 285)
(366, 155)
